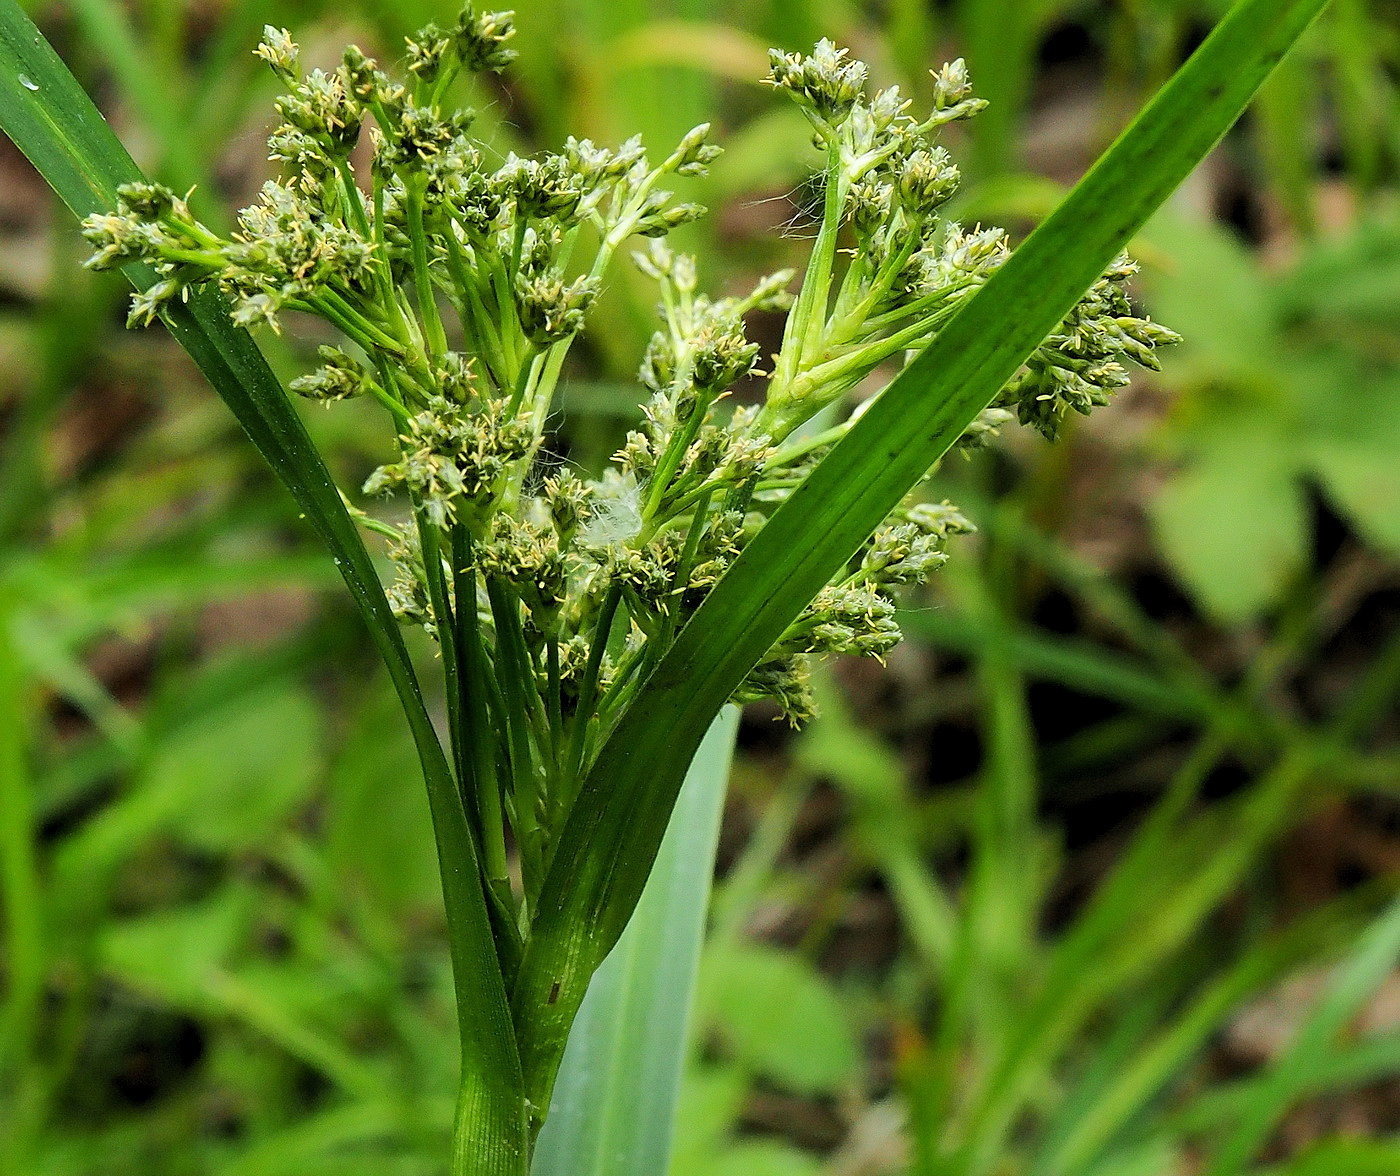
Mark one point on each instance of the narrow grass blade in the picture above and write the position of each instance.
(49, 118)
(1129, 1089)
(150, 86)
(884, 819)
(615, 829)
(1289, 1076)
(23, 939)
(986, 985)
(614, 1105)
(1000, 42)
(1080, 665)
(1125, 933)
(1372, 1060)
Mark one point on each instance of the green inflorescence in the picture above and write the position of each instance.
(458, 289)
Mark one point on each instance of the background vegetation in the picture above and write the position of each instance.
(1095, 878)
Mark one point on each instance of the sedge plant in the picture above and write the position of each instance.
(459, 286)
(589, 629)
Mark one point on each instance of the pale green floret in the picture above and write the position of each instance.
(280, 52)
(339, 377)
(481, 39)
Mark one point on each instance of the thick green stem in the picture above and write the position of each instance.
(427, 302)
(473, 685)
(809, 314)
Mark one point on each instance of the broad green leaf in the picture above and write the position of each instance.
(781, 1018)
(232, 777)
(49, 118)
(1362, 478)
(712, 1102)
(1344, 1157)
(1346, 280)
(1233, 522)
(614, 1105)
(763, 1158)
(288, 1005)
(170, 954)
(1352, 412)
(1209, 287)
(616, 825)
(1284, 381)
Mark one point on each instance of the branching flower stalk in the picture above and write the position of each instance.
(459, 286)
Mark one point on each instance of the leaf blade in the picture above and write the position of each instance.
(613, 1108)
(52, 121)
(613, 832)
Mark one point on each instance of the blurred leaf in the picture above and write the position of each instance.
(780, 1016)
(1363, 480)
(289, 1005)
(1352, 440)
(764, 1158)
(771, 153)
(47, 656)
(719, 49)
(1344, 1157)
(1350, 279)
(374, 813)
(171, 954)
(1288, 379)
(1233, 522)
(1161, 1033)
(231, 777)
(203, 765)
(1208, 288)
(320, 1141)
(883, 815)
(1152, 1159)
(711, 1098)
(1373, 959)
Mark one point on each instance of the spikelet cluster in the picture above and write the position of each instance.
(458, 286)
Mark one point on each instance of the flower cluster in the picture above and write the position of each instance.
(886, 182)
(458, 288)
(856, 614)
(1082, 364)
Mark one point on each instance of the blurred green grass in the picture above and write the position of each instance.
(1071, 813)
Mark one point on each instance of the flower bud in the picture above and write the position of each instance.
(481, 39)
(280, 52)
